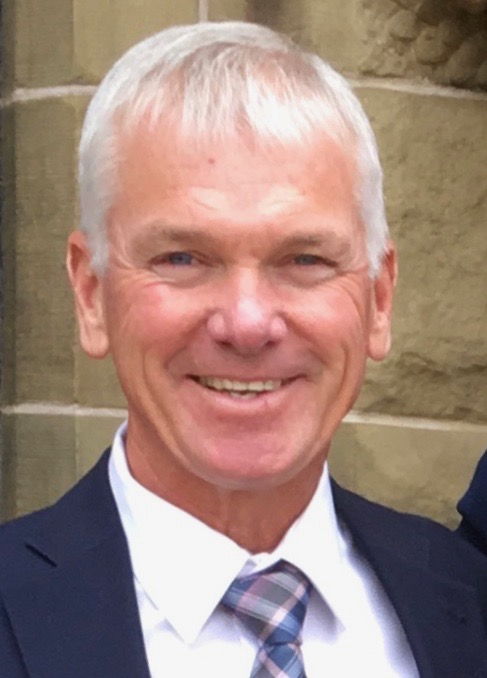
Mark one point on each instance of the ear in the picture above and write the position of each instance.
(383, 292)
(87, 286)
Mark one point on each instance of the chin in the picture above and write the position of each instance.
(266, 472)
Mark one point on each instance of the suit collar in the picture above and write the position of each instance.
(440, 615)
(84, 594)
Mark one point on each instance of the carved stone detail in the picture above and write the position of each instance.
(444, 41)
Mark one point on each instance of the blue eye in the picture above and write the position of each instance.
(307, 260)
(180, 258)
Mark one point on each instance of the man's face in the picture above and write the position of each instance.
(237, 306)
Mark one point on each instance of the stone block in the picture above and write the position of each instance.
(45, 454)
(328, 28)
(410, 466)
(8, 216)
(444, 42)
(93, 435)
(434, 155)
(96, 382)
(37, 43)
(57, 42)
(228, 10)
(39, 461)
(102, 31)
(40, 211)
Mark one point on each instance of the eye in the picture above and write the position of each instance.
(305, 260)
(180, 258)
(305, 269)
(308, 260)
(181, 267)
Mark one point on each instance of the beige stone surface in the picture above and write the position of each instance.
(434, 155)
(417, 468)
(434, 39)
(75, 41)
(93, 436)
(103, 31)
(44, 455)
(229, 10)
(96, 383)
(39, 461)
(8, 216)
(8, 45)
(329, 28)
(38, 45)
(38, 359)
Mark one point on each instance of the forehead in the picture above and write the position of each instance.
(238, 178)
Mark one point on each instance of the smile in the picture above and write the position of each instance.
(240, 389)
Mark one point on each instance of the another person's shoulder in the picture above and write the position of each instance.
(473, 508)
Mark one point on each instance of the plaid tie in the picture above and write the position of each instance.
(272, 605)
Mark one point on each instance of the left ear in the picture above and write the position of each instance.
(381, 310)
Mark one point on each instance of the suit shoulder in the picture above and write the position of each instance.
(79, 518)
(411, 537)
(14, 550)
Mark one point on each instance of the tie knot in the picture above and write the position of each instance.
(271, 604)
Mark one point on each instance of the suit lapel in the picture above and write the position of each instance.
(79, 617)
(440, 616)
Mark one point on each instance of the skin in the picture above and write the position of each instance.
(240, 264)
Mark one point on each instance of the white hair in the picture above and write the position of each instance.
(215, 80)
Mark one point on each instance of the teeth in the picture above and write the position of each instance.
(240, 387)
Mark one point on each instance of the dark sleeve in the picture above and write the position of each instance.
(473, 508)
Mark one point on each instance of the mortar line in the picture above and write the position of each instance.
(203, 10)
(419, 88)
(57, 409)
(354, 417)
(24, 94)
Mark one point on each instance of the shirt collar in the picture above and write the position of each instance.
(185, 567)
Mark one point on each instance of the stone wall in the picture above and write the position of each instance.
(420, 68)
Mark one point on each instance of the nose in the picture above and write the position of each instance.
(247, 318)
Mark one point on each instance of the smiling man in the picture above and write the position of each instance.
(233, 259)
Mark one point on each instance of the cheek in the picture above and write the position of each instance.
(153, 318)
(337, 321)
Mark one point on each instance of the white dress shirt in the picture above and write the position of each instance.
(182, 568)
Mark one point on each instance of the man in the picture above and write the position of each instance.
(233, 259)
(473, 508)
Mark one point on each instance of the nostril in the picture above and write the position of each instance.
(278, 329)
(217, 329)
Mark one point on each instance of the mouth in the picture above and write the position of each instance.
(244, 390)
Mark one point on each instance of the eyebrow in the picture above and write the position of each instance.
(162, 232)
(169, 233)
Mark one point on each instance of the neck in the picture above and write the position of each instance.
(256, 519)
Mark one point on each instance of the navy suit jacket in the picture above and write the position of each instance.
(473, 508)
(68, 607)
